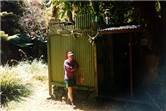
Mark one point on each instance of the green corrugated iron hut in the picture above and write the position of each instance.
(63, 38)
(90, 47)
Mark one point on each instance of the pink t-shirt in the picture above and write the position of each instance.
(68, 68)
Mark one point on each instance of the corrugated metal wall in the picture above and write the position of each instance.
(84, 54)
(84, 21)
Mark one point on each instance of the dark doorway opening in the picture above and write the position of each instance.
(116, 62)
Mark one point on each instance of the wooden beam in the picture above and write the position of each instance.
(131, 64)
(49, 68)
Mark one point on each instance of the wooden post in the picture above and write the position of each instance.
(49, 68)
(130, 64)
(96, 73)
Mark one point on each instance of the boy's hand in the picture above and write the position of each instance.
(73, 70)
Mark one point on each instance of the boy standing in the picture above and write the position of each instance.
(70, 67)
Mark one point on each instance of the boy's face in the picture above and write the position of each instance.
(70, 57)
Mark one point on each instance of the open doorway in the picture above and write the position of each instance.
(114, 65)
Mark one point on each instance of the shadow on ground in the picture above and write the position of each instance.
(141, 102)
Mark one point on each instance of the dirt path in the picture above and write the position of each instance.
(39, 101)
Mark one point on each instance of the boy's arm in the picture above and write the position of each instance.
(76, 66)
(67, 67)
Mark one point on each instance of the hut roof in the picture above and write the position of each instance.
(116, 30)
(121, 29)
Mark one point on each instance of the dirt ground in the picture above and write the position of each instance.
(40, 101)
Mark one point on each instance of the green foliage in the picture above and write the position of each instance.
(38, 71)
(34, 22)
(3, 36)
(17, 82)
(10, 13)
(157, 6)
(66, 9)
(12, 88)
(61, 8)
(84, 7)
(9, 22)
(17, 39)
(15, 6)
(121, 13)
(20, 40)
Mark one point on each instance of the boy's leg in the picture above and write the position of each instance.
(70, 94)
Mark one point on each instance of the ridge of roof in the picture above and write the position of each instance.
(127, 28)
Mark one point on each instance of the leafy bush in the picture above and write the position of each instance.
(34, 21)
(12, 88)
(9, 23)
(11, 10)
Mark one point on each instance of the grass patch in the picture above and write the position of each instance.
(17, 81)
(12, 88)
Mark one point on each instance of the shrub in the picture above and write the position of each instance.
(18, 81)
(31, 72)
(12, 88)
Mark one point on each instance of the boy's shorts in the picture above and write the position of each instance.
(70, 83)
